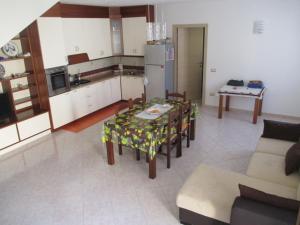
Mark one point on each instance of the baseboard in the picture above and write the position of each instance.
(249, 111)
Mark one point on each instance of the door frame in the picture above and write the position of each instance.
(175, 38)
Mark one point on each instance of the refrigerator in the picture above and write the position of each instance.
(159, 70)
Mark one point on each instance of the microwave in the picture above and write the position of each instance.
(57, 80)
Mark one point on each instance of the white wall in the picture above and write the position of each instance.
(18, 14)
(236, 52)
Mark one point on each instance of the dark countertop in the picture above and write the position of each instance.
(101, 76)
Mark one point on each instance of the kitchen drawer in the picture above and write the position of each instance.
(8, 136)
(33, 126)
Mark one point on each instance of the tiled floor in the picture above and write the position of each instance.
(64, 178)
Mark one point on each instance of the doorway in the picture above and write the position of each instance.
(190, 45)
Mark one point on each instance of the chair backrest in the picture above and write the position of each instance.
(121, 107)
(176, 95)
(186, 110)
(174, 121)
(137, 101)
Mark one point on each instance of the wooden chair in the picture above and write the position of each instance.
(186, 111)
(176, 96)
(137, 101)
(173, 135)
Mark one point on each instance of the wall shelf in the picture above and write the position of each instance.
(18, 76)
(23, 100)
(17, 89)
(16, 58)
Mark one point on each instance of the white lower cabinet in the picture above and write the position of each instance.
(115, 88)
(132, 87)
(79, 103)
(84, 100)
(62, 109)
(33, 126)
(8, 136)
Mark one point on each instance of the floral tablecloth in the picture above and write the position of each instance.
(136, 133)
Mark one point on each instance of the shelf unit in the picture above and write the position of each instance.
(28, 91)
(14, 58)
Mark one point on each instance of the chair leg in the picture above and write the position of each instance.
(120, 149)
(138, 155)
(160, 149)
(188, 137)
(179, 146)
(169, 156)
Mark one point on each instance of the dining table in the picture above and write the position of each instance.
(135, 131)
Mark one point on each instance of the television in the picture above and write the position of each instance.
(5, 108)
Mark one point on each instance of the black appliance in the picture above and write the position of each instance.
(5, 108)
(57, 80)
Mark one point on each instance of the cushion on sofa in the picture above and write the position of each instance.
(211, 191)
(281, 130)
(263, 197)
(292, 159)
(273, 146)
(271, 168)
(249, 212)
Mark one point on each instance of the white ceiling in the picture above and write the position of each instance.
(117, 2)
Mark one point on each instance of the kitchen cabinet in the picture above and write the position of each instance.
(79, 102)
(98, 37)
(115, 88)
(106, 93)
(52, 41)
(134, 35)
(88, 35)
(73, 36)
(62, 109)
(33, 126)
(84, 100)
(8, 136)
(132, 87)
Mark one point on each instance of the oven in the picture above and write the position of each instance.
(57, 80)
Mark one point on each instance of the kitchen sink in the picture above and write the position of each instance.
(79, 82)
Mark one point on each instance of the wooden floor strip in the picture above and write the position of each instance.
(95, 117)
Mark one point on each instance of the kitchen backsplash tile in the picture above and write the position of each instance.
(106, 62)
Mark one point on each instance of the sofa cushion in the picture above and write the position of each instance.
(211, 191)
(269, 199)
(292, 159)
(281, 130)
(273, 146)
(271, 168)
(249, 212)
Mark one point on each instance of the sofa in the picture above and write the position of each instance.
(208, 195)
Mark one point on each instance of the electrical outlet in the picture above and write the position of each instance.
(212, 94)
(213, 70)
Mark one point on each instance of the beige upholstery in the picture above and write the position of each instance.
(271, 168)
(211, 192)
(273, 146)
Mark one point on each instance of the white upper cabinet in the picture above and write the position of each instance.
(74, 36)
(98, 37)
(88, 35)
(52, 41)
(134, 35)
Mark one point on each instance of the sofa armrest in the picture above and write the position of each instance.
(249, 212)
